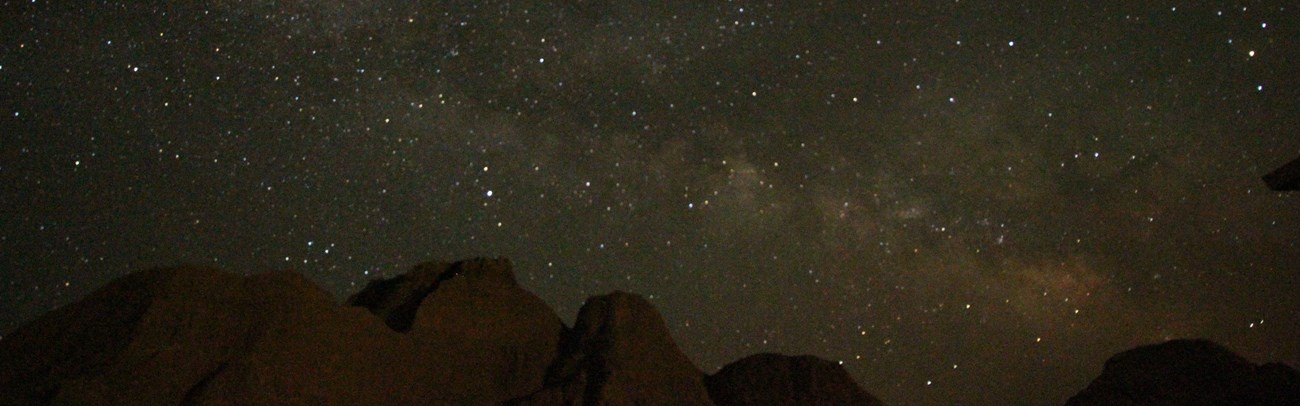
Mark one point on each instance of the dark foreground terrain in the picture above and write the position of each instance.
(466, 333)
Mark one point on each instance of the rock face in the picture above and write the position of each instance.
(198, 336)
(619, 352)
(457, 333)
(486, 334)
(774, 379)
(1189, 372)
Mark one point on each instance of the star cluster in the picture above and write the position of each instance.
(963, 202)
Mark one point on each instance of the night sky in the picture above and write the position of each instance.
(964, 202)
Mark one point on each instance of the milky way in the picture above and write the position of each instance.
(964, 202)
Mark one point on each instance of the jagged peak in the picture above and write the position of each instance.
(611, 307)
(620, 351)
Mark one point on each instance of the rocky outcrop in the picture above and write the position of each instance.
(200, 336)
(774, 379)
(619, 352)
(1189, 372)
(457, 333)
(396, 300)
(486, 334)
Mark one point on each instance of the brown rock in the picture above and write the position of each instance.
(297, 346)
(774, 379)
(202, 336)
(396, 300)
(197, 335)
(1189, 372)
(620, 353)
(82, 340)
(490, 339)
(442, 334)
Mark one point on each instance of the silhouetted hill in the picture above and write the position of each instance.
(1189, 372)
(202, 336)
(775, 379)
(458, 333)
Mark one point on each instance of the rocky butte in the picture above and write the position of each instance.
(1189, 372)
(459, 333)
(466, 333)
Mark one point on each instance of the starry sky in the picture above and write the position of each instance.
(964, 202)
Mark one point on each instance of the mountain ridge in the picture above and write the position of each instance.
(443, 333)
(467, 333)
